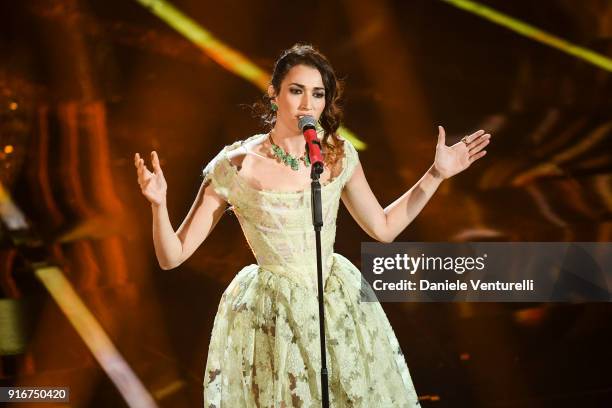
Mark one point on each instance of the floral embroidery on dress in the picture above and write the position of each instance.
(264, 349)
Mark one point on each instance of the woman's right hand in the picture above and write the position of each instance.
(152, 184)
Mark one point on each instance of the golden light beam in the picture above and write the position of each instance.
(12, 217)
(221, 53)
(534, 33)
(98, 342)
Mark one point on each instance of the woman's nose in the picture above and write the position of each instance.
(306, 101)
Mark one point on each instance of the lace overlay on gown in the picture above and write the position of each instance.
(264, 349)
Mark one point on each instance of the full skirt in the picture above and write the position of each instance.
(265, 350)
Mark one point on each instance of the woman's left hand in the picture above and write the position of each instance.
(451, 160)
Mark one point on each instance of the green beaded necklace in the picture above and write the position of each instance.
(286, 158)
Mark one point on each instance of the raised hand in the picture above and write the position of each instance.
(451, 160)
(152, 184)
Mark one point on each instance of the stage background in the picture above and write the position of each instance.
(86, 84)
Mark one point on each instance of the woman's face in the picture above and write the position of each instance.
(301, 93)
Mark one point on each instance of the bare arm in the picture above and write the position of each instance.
(173, 248)
(386, 224)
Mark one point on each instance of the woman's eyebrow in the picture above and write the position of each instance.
(316, 88)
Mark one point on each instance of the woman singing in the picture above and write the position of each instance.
(264, 349)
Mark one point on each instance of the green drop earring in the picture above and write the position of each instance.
(273, 106)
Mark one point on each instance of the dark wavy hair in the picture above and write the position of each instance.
(305, 54)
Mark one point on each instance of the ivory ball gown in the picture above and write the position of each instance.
(264, 349)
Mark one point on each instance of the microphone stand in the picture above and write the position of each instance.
(317, 221)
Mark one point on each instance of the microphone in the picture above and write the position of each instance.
(307, 124)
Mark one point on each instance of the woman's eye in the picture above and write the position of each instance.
(295, 91)
(319, 95)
